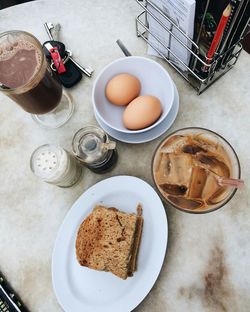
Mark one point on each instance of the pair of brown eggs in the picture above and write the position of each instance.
(141, 111)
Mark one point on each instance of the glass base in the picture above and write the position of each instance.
(59, 116)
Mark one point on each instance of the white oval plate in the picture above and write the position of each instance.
(136, 138)
(78, 288)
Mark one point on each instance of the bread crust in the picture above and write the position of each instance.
(137, 241)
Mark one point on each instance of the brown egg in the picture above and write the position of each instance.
(142, 112)
(122, 89)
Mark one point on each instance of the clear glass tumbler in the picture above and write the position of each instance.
(26, 78)
(189, 167)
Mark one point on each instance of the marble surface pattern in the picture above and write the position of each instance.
(207, 265)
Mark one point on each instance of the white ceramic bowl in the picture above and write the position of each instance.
(154, 81)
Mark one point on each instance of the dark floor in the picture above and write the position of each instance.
(7, 3)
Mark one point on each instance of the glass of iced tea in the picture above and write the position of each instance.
(188, 167)
(28, 80)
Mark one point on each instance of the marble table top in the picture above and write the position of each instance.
(207, 265)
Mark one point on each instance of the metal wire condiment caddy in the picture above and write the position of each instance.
(200, 80)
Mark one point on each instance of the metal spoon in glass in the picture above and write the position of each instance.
(237, 183)
(223, 181)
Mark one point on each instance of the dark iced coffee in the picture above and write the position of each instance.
(23, 69)
(186, 169)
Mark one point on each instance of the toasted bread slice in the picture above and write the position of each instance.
(105, 240)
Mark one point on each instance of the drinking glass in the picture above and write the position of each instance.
(188, 167)
(26, 78)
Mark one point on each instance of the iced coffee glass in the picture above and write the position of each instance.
(188, 167)
(28, 80)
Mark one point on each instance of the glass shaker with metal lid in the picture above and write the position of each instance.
(92, 147)
(55, 165)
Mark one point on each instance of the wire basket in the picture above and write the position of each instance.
(200, 80)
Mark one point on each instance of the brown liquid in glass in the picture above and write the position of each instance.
(20, 65)
(186, 170)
